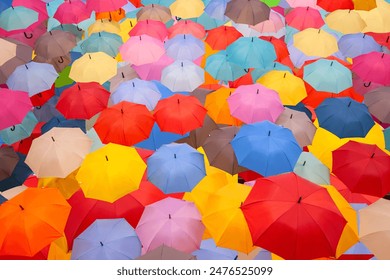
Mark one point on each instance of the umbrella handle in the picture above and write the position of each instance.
(12, 128)
(38, 107)
(78, 28)
(61, 60)
(367, 84)
(120, 11)
(28, 37)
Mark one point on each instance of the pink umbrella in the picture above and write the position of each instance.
(29, 37)
(14, 107)
(139, 50)
(304, 17)
(152, 71)
(361, 86)
(302, 3)
(72, 11)
(255, 103)
(273, 26)
(172, 222)
(153, 28)
(373, 67)
(105, 5)
(187, 27)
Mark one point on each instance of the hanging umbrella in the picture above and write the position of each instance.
(165, 3)
(169, 221)
(352, 22)
(221, 37)
(55, 43)
(153, 71)
(108, 43)
(104, 25)
(164, 252)
(111, 172)
(344, 117)
(216, 9)
(247, 11)
(187, 27)
(20, 131)
(315, 42)
(179, 114)
(107, 239)
(182, 75)
(373, 67)
(330, 7)
(353, 45)
(304, 222)
(8, 162)
(93, 67)
(105, 5)
(32, 77)
(209, 251)
(154, 12)
(59, 62)
(83, 100)
(176, 168)
(184, 47)
(363, 168)
(17, 18)
(266, 148)
(20, 173)
(153, 28)
(220, 68)
(185, 9)
(18, 105)
(124, 73)
(378, 104)
(255, 103)
(32, 220)
(311, 168)
(274, 26)
(67, 186)
(304, 17)
(72, 12)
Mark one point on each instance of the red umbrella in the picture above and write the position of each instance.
(280, 47)
(304, 17)
(179, 114)
(382, 39)
(125, 123)
(83, 100)
(331, 6)
(221, 37)
(187, 27)
(23, 146)
(363, 168)
(42, 97)
(293, 217)
(153, 28)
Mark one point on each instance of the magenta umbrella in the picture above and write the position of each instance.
(153, 71)
(373, 67)
(255, 103)
(105, 5)
(14, 107)
(173, 222)
(72, 11)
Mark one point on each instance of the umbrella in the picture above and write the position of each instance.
(32, 77)
(184, 47)
(352, 22)
(164, 252)
(372, 67)
(315, 42)
(154, 12)
(247, 11)
(124, 73)
(299, 218)
(17, 18)
(111, 172)
(69, 12)
(8, 162)
(209, 251)
(344, 117)
(67, 186)
(108, 43)
(182, 75)
(54, 43)
(153, 28)
(255, 103)
(274, 26)
(107, 239)
(185, 9)
(220, 68)
(311, 168)
(125, 123)
(20, 131)
(179, 114)
(59, 63)
(266, 148)
(104, 25)
(83, 100)
(304, 17)
(363, 168)
(32, 220)
(187, 27)
(18, 176)
(176, 168)
(299, 124)
(153, 71)
(18, 105)
(377, 102)
(353, 45)
(221, 37)
(338, 77)
(330, 7)
(60, 121)
(173, 222)
(216, 9)
(105, 5)
(58, 152)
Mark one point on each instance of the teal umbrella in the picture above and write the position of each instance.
(312, 169)
(21, 131)
(387, 138)
(165, 3)
(220, 68)
(16, 18)
(208, 22)
(102, 42)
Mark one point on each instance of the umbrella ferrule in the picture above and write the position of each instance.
(89, 56)
(383, 54)
(257, 92)
(106, 158)
(174, 155)
(304, 163)
(373, 154)
(388, 38)
(291, 116)
(182, 65)
(284, 76)
(100, 35)
(169, 216)
(122, 111)
(269, 133)
(319, 31)
(50, 32)
(349, 104)
(79, 87)
(123, 75)
(331, 64)
(52, 138)
(252, 40)
(21, 207)
(299, 200)
(140, 38)
(184, 36)
(131, 23)
(26, 66)
(133, 84)
(101, 243)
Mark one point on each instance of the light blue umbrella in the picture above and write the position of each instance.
(216, 9)
(182, 75)
(106, 42)
(107, 239)
(165, 92)
(259, 72)
(52, 6)
(165, 3)
(251, 52)
(176, 168)
(96, 142)
(266, 148)
(32, 77)
(209, 251)
(184, 47)
(327, 75)
(17, 18)
(352, 45)
(21, 131)
(220, 68)
(386, 132)
(137, 91)
(312, 169)
(208, 22)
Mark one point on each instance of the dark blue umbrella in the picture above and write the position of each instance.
(2, 199)
(302, 108)
(47, 111)
(209, 251)
(266, 148)
(18, 176)
(344, 117)
(60, 121)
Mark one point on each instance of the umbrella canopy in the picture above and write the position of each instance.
(185, 9)
(111, 172)
(311, 168)
(153, 28)
(31, 221)
(184, 47)
(8, 162)
(176, 168)
(353, 45)
(18, 105)
(17, 18)
(107, 239)
(363, 168)
(104, 25)
(153, 71)
(247, 11)
(273, 149)
(173, 222)
(209, 251)
(124, 73)
(304, 17)
(296, 221)
(54, 43)
(106, 42)
(378, 102)
(315, 42)
(59, 63)
(373, 67)
(164, 252)
(20, 131)
(69, 12)
(154, 12)
(221, 37)
(187, 27)
(105, 5)
(220, 68)
(20, 173)
(351, 20)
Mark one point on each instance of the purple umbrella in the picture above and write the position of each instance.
(184, 46)
(352, 45)
(209, 251)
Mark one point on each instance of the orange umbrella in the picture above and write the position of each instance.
(116, 15)
(31, 221)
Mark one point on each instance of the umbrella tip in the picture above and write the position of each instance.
(252, 39)
(106, 158)
(299, 200)
(133, 84)
(78, 85)
(90, 56)
(388, 38)
(174, 155)
(169, 215)
(373, 154)
(101, 243)
(52, 138)
(269, 133)
(21, 207)
(383, 54)
(307, 8)
(291, 116)
(257, 92)
(349, 104)
(182, 64)
(184, 35)
(123, 75)
(331, 63)
(319, 30)
(304, 163)
(26, 66)
(284, 76)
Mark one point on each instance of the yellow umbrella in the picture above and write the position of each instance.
(125, 27)
(345, 21)
(111, 172)
(315, 42)
(93, 67)
(218, 107)
(377, 20)
(224, 219)
(364, 5)
(106, 25)
(58, 250)
(187, 9)
(291, 89)
(67, 186)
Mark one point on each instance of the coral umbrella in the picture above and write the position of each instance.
(304, 17)
(249, 12)
(16, 105)
(378, 103)
(221, 37)
(105, 5)
(173, 222)
(153, 28)
(373, 67)
(83, 100)
(9, 159)
(154, 12)
(71, 11)
(187, 27)
(179, 114)
(363, 168)
(299, 219)
(31, 221)
(54, 43)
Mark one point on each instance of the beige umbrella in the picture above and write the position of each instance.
(345, 21)
(315, 42)
(123, 74)
(374, 228)
(154, 12)
(58, 152)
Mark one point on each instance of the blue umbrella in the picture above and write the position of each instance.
(328, 75)
(2, 199)
(47, 111)
(386, 132)
(137, 91)
(18, 176)
(184, 47)
(52, 6)
(220, 68)
(251, 52)
(165, 92)
(216, 9)
(5, 4)
(60, 121)
(208, 22)
(158, 138)
(21, 131)
(209, 251)
(17, 18)
(266, 148)
(107, 239)
(259, 72)
(176, 168)
(352, 45)
(344, 117)
(264, 255)
(106, 42)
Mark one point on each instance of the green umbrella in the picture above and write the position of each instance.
(312, 169)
